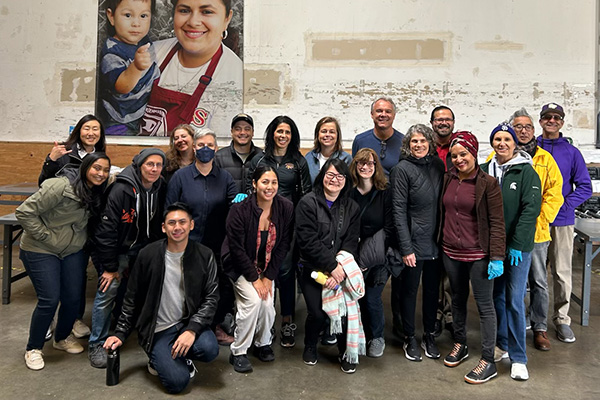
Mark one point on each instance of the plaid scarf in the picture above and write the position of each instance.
(343, 302)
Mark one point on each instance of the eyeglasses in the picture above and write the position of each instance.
(439, 120)
(520, 127)
(552, 117)
(332, 175)
(382, 150)
(151, 165)
(369, 164)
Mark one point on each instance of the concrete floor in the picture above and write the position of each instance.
(568, 371)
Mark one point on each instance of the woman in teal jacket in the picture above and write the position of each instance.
(54, 221)
(521, 199)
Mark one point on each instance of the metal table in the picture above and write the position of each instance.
(588, 230)
(12, 232)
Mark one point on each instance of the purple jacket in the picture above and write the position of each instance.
(574, 172)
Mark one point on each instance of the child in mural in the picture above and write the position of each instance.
(127, 65)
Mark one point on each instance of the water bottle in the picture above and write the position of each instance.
(321, 278)
(112, 367)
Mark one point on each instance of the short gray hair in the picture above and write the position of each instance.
(424, 130)
(384, 98)
(200, 133)
(522, 112)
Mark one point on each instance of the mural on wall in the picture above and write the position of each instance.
(162, 63)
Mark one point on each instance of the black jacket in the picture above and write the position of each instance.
(316, 231)
(131, 219)
(239, 248)
(294, 176)
(227, 159)
(416, 190)
(50, 169)
(142, 299)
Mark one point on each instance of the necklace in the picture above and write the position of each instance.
(181, 87)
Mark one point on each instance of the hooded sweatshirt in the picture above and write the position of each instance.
(577, 185)
(130, 220)
(521, 198)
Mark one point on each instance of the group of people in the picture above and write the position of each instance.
(180, 240)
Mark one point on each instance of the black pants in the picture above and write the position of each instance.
(315, 316)
(404, 295)
(459, 274)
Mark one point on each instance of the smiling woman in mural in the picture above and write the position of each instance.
(201, 79)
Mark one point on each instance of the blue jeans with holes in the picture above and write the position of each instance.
(174, 373)
(509, 301)
(104, 303)
(55, 281)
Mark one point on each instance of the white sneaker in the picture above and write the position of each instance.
(519, 372)
(34, 359)
(70, 345)
(499, 354)
(80, 330)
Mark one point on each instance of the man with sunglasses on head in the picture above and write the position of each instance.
(383, 138)
(577, 188)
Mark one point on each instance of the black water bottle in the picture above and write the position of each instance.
(112, 367)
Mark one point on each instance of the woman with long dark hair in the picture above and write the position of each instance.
(54, 221)
(282, 152)
(87, 137)
(259, 232)
(327, 223)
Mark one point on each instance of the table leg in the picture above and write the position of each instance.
(586, 283)
(7, 263)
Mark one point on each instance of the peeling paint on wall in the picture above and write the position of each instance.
(266, 84)
(499, 45)
(77, 85)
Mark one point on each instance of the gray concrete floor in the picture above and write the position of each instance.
(568, 371)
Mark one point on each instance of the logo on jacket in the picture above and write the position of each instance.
(513, 186)
(127, 217)
(289, 165)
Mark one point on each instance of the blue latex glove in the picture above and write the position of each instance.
(515, 256)
(239, 197)
(495, 269)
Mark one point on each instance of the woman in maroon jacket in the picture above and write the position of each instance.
(473, 243)
(259, 232)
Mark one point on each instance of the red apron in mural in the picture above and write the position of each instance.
(168, 108)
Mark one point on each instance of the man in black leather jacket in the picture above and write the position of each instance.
(171, 299)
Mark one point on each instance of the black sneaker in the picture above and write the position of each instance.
(459, 353)
(346, 366)
(428, 344)
(240, 363)
(98, 356)
(327, 339)
(264, 353)
(483, 372)
(411, 349)
(310, 355)
(287, 335)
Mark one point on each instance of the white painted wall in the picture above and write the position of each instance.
(502, 55)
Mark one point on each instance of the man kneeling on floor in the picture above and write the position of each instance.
(171, 299)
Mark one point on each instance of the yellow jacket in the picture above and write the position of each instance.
(552, 198)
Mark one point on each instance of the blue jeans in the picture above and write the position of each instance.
(174, 373)
(538, 287)
(54, 280)
(103, 305)
(509, 301)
